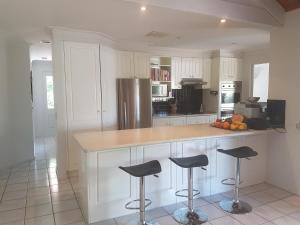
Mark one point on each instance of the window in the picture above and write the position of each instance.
(50, 92)
(260, 81)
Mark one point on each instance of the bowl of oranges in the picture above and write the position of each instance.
(235, 123)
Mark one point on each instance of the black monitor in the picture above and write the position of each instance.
(276, 113)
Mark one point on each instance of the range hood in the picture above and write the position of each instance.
(192, 81)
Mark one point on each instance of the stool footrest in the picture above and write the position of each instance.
(179, 193)
(230, 181)
(128, 204)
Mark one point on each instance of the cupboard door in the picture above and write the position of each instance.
(110, 176)
(197, 68)
(186, 67)
(141, 65)
(161, 122)
(126, 65)
(109, 61)
(177, 121)
(197, 120)
(82, 67)
(176, 72)
(206, 71)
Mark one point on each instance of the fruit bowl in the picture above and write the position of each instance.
(253, 99)
(236, 123)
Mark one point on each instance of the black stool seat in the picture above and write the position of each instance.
(190, 162)
(240, 152)
(142, 170)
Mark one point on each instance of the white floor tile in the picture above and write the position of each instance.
(68, 217)
(250, 219)
(12, 195)
(286, 221)
(212, 212)
(42, 220)
(263, 197)
(13, 204)
(268, 212)
(40, 210)
(294, 200)
(65, 205)
(12, 215)
(227, 220)
(284, 207)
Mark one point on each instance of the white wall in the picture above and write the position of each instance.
(250, 58)
(16, 135)
(284, 149)
(4, 110)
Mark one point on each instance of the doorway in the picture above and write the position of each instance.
(43, 106)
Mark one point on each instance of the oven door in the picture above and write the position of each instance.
(229, 98)
(226, 113)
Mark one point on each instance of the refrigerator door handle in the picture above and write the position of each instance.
(125, 115)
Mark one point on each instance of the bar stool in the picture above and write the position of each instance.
(190, 215)
(142, 170)
(236, 206)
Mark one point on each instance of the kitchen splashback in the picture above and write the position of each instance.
(188, 99)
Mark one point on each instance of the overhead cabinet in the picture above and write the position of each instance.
(230, 69)
(189, 68)
(134, 65)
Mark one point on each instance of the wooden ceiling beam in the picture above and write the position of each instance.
(289, 5)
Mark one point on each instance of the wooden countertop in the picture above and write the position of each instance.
(99, 141)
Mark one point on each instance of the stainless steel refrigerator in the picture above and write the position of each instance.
(134, 103)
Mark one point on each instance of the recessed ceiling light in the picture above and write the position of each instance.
(45, 42)
(143, 8)
(223, 20)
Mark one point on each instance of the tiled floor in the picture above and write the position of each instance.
(31, 194)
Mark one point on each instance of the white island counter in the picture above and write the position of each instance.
(105, 189)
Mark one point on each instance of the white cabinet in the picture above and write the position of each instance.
(177, 121)
(176, 72)
(212, 118)
(206, 71)
(191, 68)
(230, 69)
(160, 122)
(134, 64)
(141, 65)
(183, 120)
(197, 120)
(197, 68)
(109, 73)
(83, 92)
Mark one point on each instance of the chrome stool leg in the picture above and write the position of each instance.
(190, 216)
(236, 206)
(142, 206)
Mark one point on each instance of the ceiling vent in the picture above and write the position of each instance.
(156, 34)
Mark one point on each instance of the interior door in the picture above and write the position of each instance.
(82, 67)
(43, 99)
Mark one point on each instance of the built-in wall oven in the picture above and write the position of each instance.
(230, 95)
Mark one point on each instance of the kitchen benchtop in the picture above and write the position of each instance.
(99, 141)
(164, 115)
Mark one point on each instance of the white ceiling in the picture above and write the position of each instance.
(125, 23)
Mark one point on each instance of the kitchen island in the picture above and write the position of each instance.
(105, 189)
